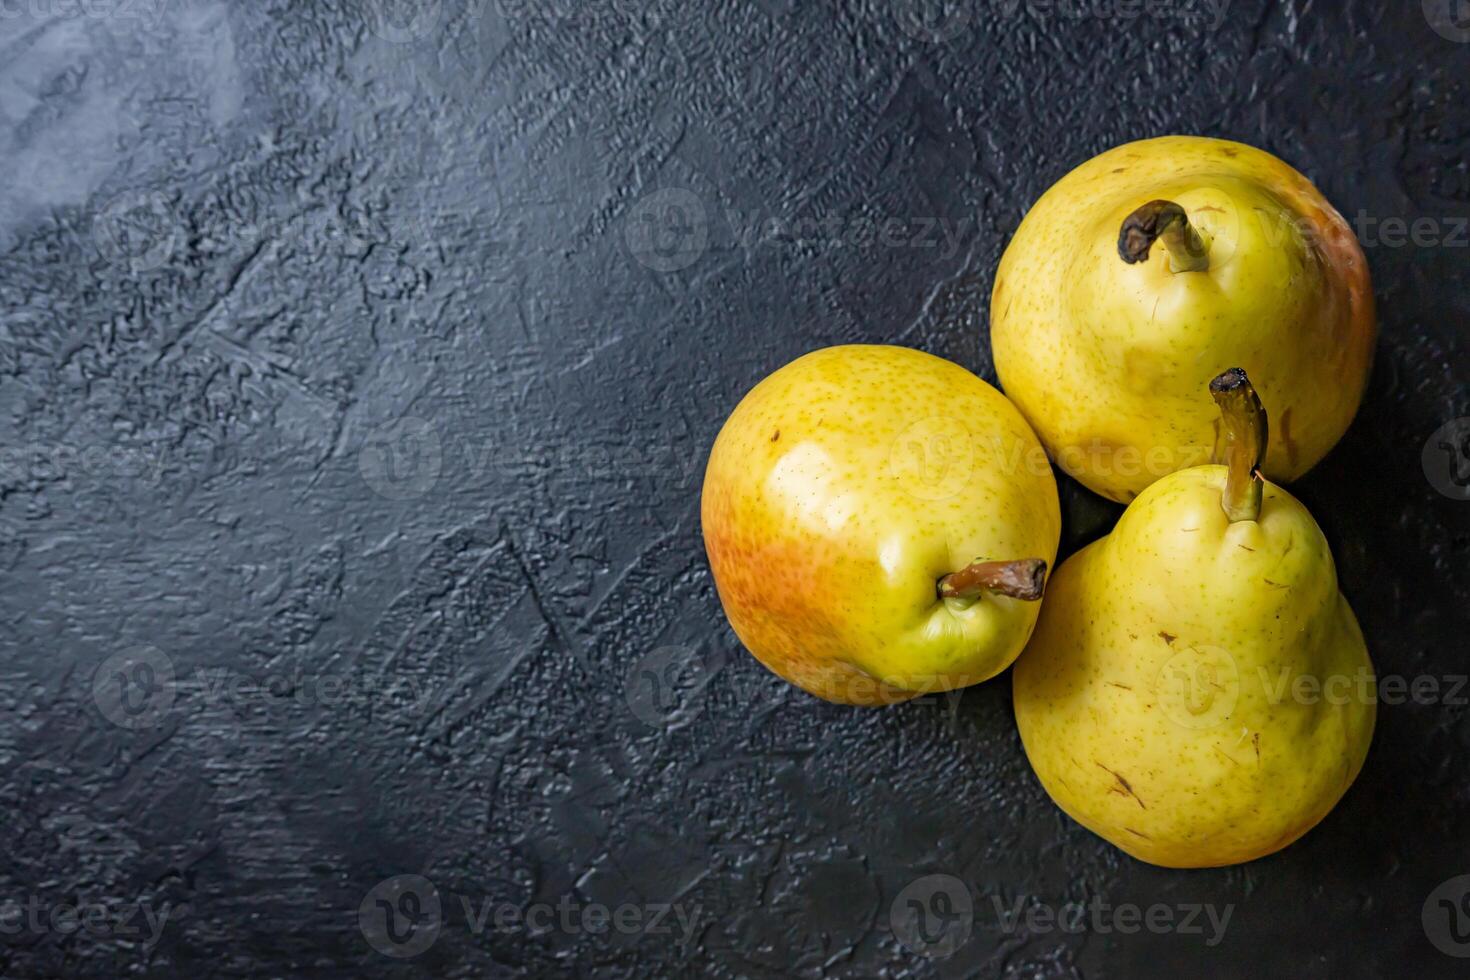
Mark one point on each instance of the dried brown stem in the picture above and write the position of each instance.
(1167, 221)
(1023, 578)
(1244, 437)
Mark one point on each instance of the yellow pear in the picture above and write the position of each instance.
(1197, 691)
(879, 522)
(1140, 272)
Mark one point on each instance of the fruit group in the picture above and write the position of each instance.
(879, 521)
(1198, 691)
(1140, 273)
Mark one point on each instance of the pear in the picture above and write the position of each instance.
(879, 522)
(1141, 272)
(1197, 691)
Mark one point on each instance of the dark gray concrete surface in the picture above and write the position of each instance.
(357, 371)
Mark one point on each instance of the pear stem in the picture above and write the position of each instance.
(1244, 444)
(1167, 221)
(1023, 578)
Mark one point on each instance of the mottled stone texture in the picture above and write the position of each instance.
(336, 347)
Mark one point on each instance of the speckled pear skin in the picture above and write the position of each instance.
(1158, 701)
(1109, 361)
(840, 490)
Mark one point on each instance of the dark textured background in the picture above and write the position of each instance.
(331, 349)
